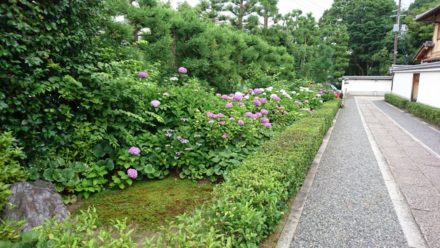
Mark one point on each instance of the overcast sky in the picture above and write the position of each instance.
(316, 7)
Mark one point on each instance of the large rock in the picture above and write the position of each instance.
(34, 202)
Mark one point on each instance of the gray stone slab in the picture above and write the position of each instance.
(429, 223)
(419, 129)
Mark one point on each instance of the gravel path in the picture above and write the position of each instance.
(348, 204)
(427, 134)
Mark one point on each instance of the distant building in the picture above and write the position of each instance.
(366, 85)
(421, 83)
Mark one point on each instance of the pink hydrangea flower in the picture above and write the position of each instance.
(182, 70)
(265, 120)
(225, 97)
(263, 100)
(237, 97)
(142, 74)
(268, 125)
(155, 103)
(222, 123)
(225, 136)
(132, 173)
(232, 119)
(134, 151)
(248, 114)
(256, 102)
(275, 97)
(229, 105)
(264, 112)
(240, 122)
(258, 114)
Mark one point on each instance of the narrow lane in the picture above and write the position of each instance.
(429, 135)
(348, 204)
(415, 168)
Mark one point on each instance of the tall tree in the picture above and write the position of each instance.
(267, 9)
(369, 25)
(240, 11)
(418, 32)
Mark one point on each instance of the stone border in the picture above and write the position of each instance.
(296, 209)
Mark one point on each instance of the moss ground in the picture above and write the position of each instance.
(148, 205)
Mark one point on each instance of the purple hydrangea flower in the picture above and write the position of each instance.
(182, 70)
(248, 114)
(258, 91)
(229, 105)
(237, 97)
(142, 74)
(211, 115)
(256, 102)
(220, 115)
(263, 100)
(275, 97)
(265, 120)
(258, 114)
(225, 97)
(155, 103)
(134, 151)
(240, 122)
(264, 112)
(132, 173)
(267, 125)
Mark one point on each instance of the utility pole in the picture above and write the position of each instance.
(396, 33)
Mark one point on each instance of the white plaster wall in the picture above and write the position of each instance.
(366, 87)
(429, 89)
(402, 84)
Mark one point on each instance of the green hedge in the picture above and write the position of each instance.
(431, 114)
(396, 100)
(254, 196)
(426, 112)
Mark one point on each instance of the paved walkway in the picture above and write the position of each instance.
(356, 197)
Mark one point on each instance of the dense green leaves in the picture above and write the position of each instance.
(369, 25)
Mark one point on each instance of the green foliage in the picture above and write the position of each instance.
(369, 27)
(254, 196)
(418, 32)
(10, 169)
(396, 100)
(429, 113)
(11, 230)
(82, 231)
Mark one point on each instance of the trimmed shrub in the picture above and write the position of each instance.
(254, 196)
(429, 113)
(426, 112)
(396, 100)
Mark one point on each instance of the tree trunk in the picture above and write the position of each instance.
(174, 48)
(240, 16)
(266, 21)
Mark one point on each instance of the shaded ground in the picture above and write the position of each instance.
(148, 205)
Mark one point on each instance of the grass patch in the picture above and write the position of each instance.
(148, 205)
